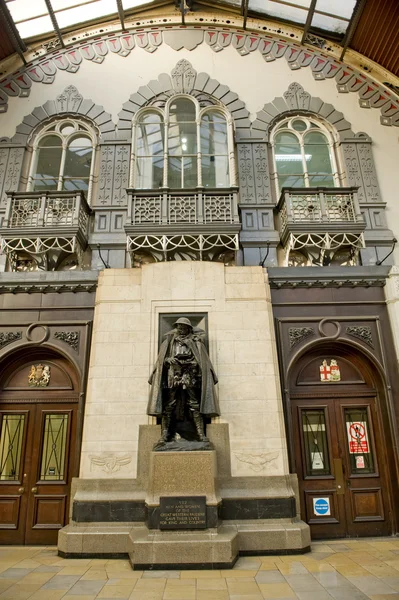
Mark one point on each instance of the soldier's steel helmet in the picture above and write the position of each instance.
(183, 321)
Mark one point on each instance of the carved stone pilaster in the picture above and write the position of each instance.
(360, 167)
(114, 175)
(121, 175)
(106, 174)
(10, 170)
(253, 171)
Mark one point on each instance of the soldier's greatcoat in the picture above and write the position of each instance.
(209, 404)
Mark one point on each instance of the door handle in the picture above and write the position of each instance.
(34, 490)
(21, 490)
(339, 476)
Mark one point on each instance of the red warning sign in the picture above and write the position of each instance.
(358, 438)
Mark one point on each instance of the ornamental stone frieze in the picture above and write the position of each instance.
(349, 79)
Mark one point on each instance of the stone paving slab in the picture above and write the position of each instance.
(366, 569)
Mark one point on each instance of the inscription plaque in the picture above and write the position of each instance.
(182, 512)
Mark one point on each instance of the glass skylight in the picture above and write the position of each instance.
(32, 18)
(330, 15)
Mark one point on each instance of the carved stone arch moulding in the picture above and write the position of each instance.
(184, 80)
(296, 100)
(69, 102)
(348, 79)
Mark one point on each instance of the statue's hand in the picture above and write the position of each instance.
(171, 361)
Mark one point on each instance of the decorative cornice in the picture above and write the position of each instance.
(56, 282)
(372, 95)
(327, 277)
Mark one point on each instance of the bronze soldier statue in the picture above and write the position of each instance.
(183, 378)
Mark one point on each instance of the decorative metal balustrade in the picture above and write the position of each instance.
(187, 224)
(37, 223)
(320, 220)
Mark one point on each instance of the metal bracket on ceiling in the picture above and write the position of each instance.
(54, 22)
(121, 13)
(353, 23)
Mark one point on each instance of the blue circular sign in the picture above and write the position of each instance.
(321, 506)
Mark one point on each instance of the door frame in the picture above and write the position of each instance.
(377, 375)
(26, 354)
(341, 483)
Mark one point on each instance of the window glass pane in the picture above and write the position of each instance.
(318, 160)
(48, 185)
(288, 160)
(48, 164)
(11, 438)
(315, 442)
(190, 172)
(78, 160)
(51, 141)
(67, 129)
(214, 134)
(296, 181)
(149, 172)
(215, 171)
(299, 125)
(80, 142)
(181, 109)
(321, 180)
(183, 139)
(150, 117)
(73, 185)
(182, 172)
(150, 139)
(359, 442)
(52, 467)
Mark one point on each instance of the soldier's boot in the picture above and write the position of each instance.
(199, 425)
(165, 424)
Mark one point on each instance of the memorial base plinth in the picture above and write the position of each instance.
(209, 549)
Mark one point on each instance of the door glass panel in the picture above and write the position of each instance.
(11, 438)
(359, 444)
(54, 447)
(315, 442)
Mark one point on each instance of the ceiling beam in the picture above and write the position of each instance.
(353, 23)
(309, 20)
(12, 31)
(244, 12)
(54, 22)
(121, 13)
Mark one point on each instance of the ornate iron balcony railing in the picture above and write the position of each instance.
(195, 223)
(37, 222)
(322, 218)
(182, 207)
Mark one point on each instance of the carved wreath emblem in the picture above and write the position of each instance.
(39, 375)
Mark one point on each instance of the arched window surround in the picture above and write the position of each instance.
(53, 127)
(333, 144)
(199, 114)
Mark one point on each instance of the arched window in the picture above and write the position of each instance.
(304, 154)
(182, 146)
(63, 158)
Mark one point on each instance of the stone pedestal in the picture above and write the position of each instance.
(183, 477)
(182, 474)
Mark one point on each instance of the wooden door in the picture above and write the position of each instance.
(341, 467)
(37, 443)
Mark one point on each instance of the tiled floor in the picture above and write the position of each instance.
(341, 570)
